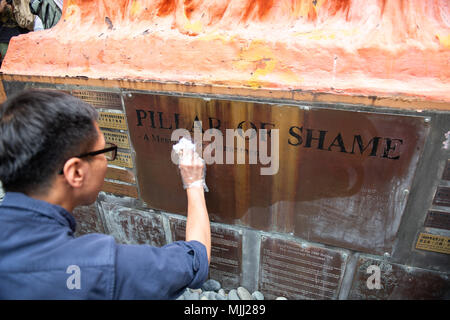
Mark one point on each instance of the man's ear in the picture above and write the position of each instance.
(75, 172)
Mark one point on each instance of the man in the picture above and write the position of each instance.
(53, 159)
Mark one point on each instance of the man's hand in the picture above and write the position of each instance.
(192, 169)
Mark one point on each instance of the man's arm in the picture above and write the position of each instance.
(197, 225)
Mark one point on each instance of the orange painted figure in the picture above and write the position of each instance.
(375, 47)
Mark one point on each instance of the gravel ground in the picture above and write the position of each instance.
(212, 290)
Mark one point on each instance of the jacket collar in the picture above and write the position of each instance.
(55, 212)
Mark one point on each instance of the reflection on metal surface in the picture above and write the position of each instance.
(226, 252)
(334, 165)
(297, 271)
(398, 282)
(120, 189)
(120, 174)
(432, 242)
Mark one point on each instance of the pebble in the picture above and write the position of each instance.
(233, 295)
(211, 285)
(257, 295)
(244, 294)
(212, 290)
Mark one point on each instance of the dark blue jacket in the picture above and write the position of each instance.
(41, 259)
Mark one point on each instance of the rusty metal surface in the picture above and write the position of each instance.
(442, 197)
(120, 189)
(226, 252)
(438, 219)
(99, 99)
(133, 226)
(88, 220)
(297, 271)
(398, 282)
(123, 175)
(351, 167)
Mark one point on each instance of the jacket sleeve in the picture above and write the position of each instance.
(146, 272)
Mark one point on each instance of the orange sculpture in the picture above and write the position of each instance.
(375, 47)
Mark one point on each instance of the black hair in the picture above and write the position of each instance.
(39, 131)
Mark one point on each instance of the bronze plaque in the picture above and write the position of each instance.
(123, 159)
(120, 174)
(438, 219)
(120, 189)
(112, 120)
(226, 252)
(433, 242)
(295, 271)
(118, 138)
(442, 197)
(334, 165)
(88, 221)
(107, 100)
(397, 282)
(132, 226)
(446, 173)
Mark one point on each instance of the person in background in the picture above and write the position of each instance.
(15, 19)
(48, 13)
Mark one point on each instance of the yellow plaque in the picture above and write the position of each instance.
(432, 242)
(112, 120)
(119, 139)
(123, 159)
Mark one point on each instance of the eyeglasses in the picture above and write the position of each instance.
(110, 153)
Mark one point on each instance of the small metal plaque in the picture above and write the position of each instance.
(107, 100)
(123, 159)
(226, 252)
(433, 242)
(120, 174)
(438, 219)
(446, 174)
(396, 282)
(112, 120)
(442, 197)
(88, 221)
(120, 189)
(118, 138)
(132, 226)
(297, 271)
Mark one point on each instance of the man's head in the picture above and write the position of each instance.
(41, 131)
